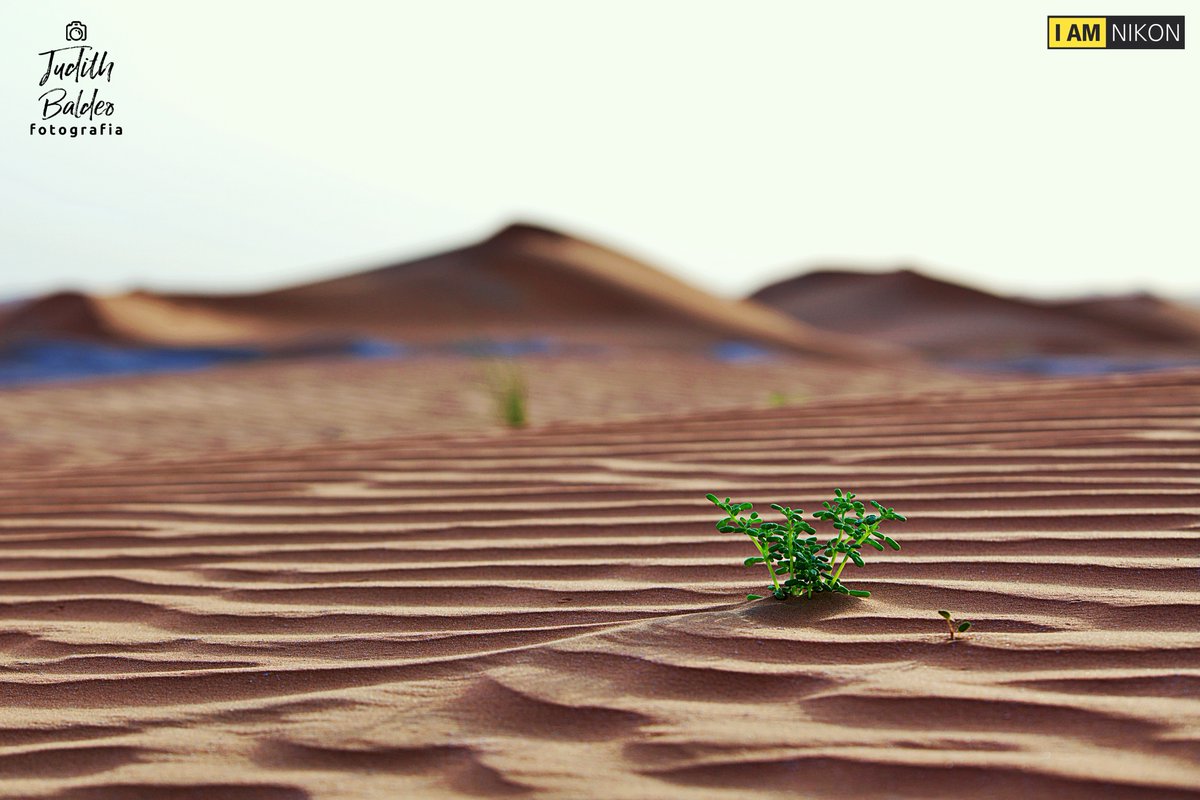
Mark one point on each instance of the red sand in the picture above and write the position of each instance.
(339, 579)
(310, 401)
(551, 614)
(948, 320)
(524, 281)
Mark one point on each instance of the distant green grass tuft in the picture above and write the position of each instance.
(778, 399)
(510, 395)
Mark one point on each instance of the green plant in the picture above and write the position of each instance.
(797, 561)
(510, 394)
(778, 399)
(954, 625)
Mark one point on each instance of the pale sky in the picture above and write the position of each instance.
(731, 143)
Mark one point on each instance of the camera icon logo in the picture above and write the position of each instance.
(76, 31)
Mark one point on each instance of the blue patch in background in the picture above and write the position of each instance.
(740, 352)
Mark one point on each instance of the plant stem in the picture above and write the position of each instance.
(846, 557)
(791, 547)
(767, 560)
(833, 557)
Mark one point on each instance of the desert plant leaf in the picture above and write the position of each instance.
(955, 626)
(797, 561)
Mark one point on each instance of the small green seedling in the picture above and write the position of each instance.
(954, 625)
(798, 563)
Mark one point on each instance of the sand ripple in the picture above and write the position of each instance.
(552, 614)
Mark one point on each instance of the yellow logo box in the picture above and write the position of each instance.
(1077, 32)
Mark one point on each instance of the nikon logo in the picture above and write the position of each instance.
(1115, 33)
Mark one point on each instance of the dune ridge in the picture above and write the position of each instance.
(524, 281)
(551, 612)
(949, 320)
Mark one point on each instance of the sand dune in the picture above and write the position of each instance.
(135, 318)
(62, 314)
(525, 281)
(1156, 318)
(950, 320)
(551, 614)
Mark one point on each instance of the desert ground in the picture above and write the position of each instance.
(241, 561)
(292, 404)
(551, 613)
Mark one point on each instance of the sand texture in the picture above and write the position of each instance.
(269, 405)
(552, 614)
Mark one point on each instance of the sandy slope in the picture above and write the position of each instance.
(525, 281)
(950, 320)
(1157, 318)
(551, 614)
(303, 402)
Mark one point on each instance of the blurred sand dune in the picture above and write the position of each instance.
(524, 281)
(945, 319)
